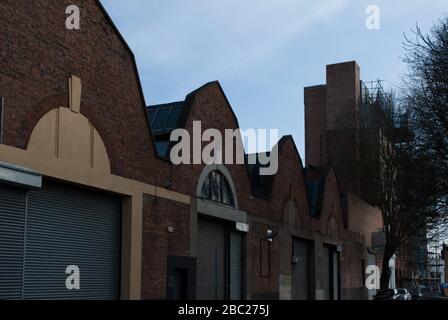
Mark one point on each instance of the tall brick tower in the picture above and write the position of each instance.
(331, 112)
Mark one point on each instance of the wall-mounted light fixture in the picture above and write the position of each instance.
(271, 235)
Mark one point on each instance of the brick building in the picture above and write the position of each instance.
(85, 181)
(333, 118)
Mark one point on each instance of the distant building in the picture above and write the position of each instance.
(434, 276)
(332, 113)
(445, 259)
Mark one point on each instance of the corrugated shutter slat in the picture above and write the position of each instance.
(12, 221)
(71, 226)
(236, 243)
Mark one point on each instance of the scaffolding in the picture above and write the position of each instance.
(377, 111)
(372, 92)
(373, 105)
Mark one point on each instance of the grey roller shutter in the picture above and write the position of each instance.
(70, 226)
(335, 274)
(325, 272)
(12, 223)
(211, 261)
(236, 243)
(301, 270)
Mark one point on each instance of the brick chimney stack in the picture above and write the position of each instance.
(331, 123)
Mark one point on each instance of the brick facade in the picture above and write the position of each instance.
(38, 55)
(331, 117)
(159, 242)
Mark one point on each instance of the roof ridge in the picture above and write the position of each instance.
(165, 104)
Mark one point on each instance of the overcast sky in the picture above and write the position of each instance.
(264, 52)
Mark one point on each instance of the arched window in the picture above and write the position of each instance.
(216, 188)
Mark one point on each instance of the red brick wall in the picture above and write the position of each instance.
(331, 207)
(265, 262)
(158, 243)
(343, 91)
(37, 56)
(212, 109)
(338, 100)
(353, 243)
(363, 217)
(351, 270)
(315, 125)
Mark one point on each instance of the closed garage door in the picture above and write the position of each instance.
(219, 263)
(325, 276)
(235, 271)
(61, 226)
(301, 270)
(12, 221)
(211, 261)
(330, 272)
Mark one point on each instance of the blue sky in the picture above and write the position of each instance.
(264, 52)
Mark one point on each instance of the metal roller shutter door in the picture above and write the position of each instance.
(70, 226)
(236, 243)
(335, 274)
(12, 223)
(325, 267)
(301, 274)
(211, 261)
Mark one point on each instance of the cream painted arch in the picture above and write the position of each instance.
(65, 146)
(69, 136)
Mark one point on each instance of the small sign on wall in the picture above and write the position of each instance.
(243, 227)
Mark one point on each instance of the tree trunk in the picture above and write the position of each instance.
(385, 276)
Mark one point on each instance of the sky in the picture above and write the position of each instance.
(264, 52)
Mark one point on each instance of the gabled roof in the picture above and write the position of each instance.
(134, 63)
(164, 118)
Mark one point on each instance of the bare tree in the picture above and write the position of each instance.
(404, 147)
(398, 175)
(427, 101)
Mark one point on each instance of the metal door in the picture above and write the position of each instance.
(301, 270)
(211, 261)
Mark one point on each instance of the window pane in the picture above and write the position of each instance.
(160, 120)
(217, 188)
(205, 193)
(227, 194)
(174, 117)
